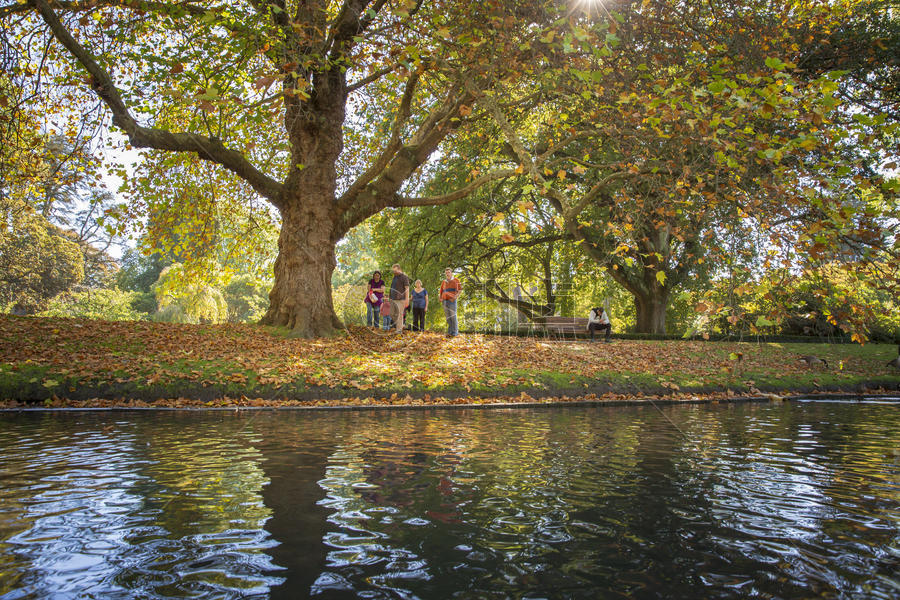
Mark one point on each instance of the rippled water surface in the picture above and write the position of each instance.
(795, 500)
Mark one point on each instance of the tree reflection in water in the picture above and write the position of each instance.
(689, 501)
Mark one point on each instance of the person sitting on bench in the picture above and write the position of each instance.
(598, 320)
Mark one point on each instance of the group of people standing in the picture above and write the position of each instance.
(391, 311)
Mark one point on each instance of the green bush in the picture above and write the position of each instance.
(144, 302)
(38, 260)
(110, 304)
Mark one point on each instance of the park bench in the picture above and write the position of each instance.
(563, 326)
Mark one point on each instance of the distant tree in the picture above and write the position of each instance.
(58, 179)
(37, 260)
(139, 271)
(247, 299)
(356, 256)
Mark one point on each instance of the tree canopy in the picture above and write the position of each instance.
(658, 140)
(661, 132)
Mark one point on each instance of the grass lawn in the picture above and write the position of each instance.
(80, 362)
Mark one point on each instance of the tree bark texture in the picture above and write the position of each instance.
(300, 298)
(650, 312)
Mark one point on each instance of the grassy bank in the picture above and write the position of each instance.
(80, 362)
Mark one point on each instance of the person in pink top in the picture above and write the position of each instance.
(374, 297)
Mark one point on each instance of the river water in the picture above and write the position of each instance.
(791, 500)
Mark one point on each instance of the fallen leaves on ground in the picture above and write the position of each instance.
(75, 352)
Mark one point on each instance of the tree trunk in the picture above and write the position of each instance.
(301, 296)
(651, 313)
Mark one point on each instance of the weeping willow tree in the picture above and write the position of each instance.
(188, 301)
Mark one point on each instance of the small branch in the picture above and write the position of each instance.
(554, 149)
(456, 195)
(518, 244)
(370, 78)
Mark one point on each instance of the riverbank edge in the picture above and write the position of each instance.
(603, 395)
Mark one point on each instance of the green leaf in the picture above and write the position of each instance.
(661, 277)
(761, 321)
(775, 63)
(716, 87)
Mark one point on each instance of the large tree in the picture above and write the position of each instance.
(271, 90)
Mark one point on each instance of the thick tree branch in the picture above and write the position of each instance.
(393, 143)
(512, 138)
(533, 311)
(279, 17)
(350, 21)
(382, 192)
(195, 7)
(210, 149)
